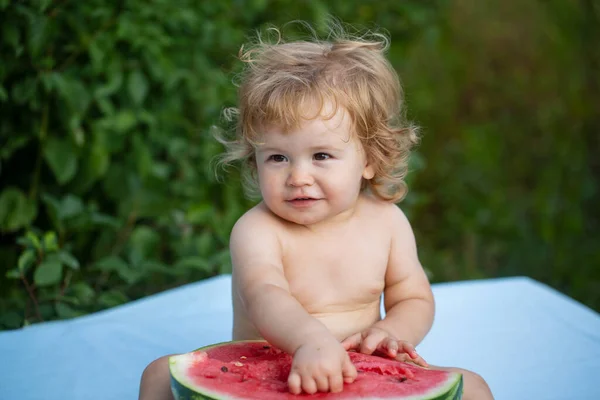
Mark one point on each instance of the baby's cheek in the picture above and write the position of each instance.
(268, 189)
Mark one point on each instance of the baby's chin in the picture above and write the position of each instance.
(298, 217)
(309, 219)
(304, 220)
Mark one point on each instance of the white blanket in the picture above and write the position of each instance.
(527, 340)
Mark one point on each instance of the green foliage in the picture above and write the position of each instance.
(106, 191)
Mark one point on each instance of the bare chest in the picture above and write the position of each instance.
(336, 274)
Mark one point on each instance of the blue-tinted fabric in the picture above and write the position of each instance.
(527, 340)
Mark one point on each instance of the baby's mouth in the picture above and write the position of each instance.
(302, 201)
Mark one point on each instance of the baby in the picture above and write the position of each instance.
(320, 135)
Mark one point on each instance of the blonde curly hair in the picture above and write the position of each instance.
(282, 80)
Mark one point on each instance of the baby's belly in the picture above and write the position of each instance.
(341, 324)
(347, 323)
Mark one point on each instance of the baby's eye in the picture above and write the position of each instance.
(277, 158)
(322, 156)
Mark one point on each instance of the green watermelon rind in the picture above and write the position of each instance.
(184, 389)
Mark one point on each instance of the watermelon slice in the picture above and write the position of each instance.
(256, 370)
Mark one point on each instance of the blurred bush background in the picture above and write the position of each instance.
(106, 189)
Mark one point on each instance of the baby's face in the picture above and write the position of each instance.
(312, 174)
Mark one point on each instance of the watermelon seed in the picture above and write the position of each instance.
(266, 347)
(224, 368)
(242, 357)
(402, 379)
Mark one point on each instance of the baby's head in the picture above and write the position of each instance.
(285, 84)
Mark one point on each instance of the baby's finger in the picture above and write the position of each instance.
(412, 353)
(371, 342)
(294, 382)
(309, 385)
(348, 370)
(406, 347)
(389, 347)
(420, 361)
(402, 357)
(322, 383)
(336, 383)
(352, 342)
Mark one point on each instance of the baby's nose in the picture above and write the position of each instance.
(300, 176)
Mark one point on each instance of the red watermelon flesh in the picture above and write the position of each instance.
(256, 370)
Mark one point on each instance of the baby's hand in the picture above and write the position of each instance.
(320, 365)
(377, 339)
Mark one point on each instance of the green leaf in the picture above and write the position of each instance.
(77, 132)
(117, 182)
(74, 93)
(50, 242)
(65, 311)
(142, 156)
(37, 33)
(62, 159)
(3, 94)
(70, 300)
(97, 55)
(10, 319)
(115, 80)
(26, 260)
(33, 240)
(24, 91)
(103, 220)
(14, 143)
(200, 213)
(156, 266)
(11, 35)
(99, 159)
(13, 274)
(106, 107)
(194, 262)
(83, 292)
(111, 263)
(68, 259)
(16, 210)
(112, 298)
(205, 243)
(70, 206)
(145, 241)
(48, 273)
(161, 170)
(43, 5)
(123, 121)
(53, 210)
(130, 275)
(47, 311)
(137, 86)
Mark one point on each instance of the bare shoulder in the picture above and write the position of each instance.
(255, 242)
(256, 252)
(389, 215)
(257, 223)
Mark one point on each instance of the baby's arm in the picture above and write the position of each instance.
(320, 362)
(408, 298)
(261, 286)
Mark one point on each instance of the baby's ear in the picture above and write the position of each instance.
(369, 171)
